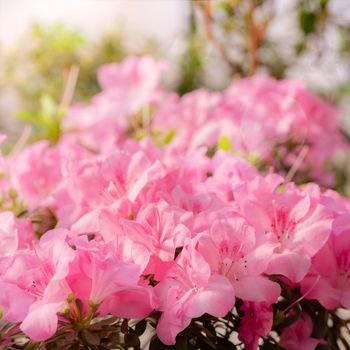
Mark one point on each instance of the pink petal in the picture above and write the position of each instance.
(41, 321)
(321, 289)
(129, 303)
(257, 289)
(301, 208)
(313, 233)
(14, 301)
(170, 325)
(290, 265)
(216, 299)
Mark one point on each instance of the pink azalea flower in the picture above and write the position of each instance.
(99, 276)
(227, 174)
(266, 113)
(293, 220)
(256, 323)
(232, 249)
(206, 207)
(329, 278)
(99, 182)
(14, 301)
(127, 88)
(189, 290)
(8, 234)
(161, 229)
(131, 84)
(40, 293)
(298, 335)
(14, 234)
(186, 115)
(105, 222)
(37, 173)
(178, 222)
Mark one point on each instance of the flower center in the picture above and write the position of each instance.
(282, 225)
(230, 255)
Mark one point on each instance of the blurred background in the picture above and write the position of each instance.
(207, 43)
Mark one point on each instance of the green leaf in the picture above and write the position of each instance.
(322, 347)
(140, 134)
(48, 105)
(224, 144)
(108, 321)
(278, 318)
(26, 116)
(253, 158)
(345, 89)
(209, 329)
(169, 136)
(207, 341)
(47, 120)
(300, 48)
(156, 344)
(225, 344)
(181, 342)
(281, 188)
(125, 327)
(320, 324)
(132, 340)
(90, 338)
(141, 327)
(288, 321)
(307, 22)
(74, 346)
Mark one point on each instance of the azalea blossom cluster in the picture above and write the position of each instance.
(176, 211)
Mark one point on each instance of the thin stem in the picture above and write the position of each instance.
(253, 39)
(303, 296)
(208, 24)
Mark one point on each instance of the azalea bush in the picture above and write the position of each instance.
(155, 221)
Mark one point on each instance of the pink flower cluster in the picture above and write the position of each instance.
(156, 223)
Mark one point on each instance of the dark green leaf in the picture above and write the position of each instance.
(74, 346)
(103, 323)
(132, 340)
(300, 47)
(225, 344)
(288, 321)
(90, 337)
(320, 324)
(141, 327)
(307, 22)
(207, 341)
(125, 326)
(209, 329)
(156, 344)
(322, 347)
(181, 341)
